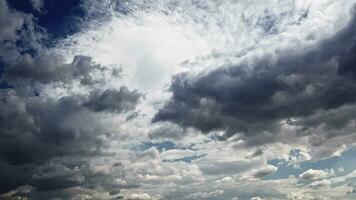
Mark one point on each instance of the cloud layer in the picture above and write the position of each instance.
(166, 100)
(299, 87)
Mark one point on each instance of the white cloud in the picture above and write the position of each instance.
(321, 183)
(205, 195)
(313, 175)
(140, 196)
(256, 198)
(175, 154)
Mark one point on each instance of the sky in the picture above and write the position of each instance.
(178, 99)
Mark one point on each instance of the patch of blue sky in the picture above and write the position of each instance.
(342, 165)
(59, 18)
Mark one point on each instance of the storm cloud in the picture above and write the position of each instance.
(47, 139)
(254, 96)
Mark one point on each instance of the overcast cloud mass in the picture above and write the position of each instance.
(178, 100)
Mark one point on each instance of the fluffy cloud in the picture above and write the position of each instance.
(313, 175)
(55, 117)
(62, 126)
(206, 195)
(256, 198)
(44, 128)
(253, 97)
(49, 68)
(113, 100)
(140, 196)
(265, 171)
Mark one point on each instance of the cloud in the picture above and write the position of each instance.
(56, 119)
(175, 154)
(19, 33)
(268, 170)
(48, 68)
(304, 196)
(78, 127)
(43, 129)
(256, 198)
(64, 126)
(352, 191)
(257, 153)
(113, 100)
(313, 175)
(254, 96)
(321, 184)
(168, 130)
(37, 4)
(20, 192)
(140, 196)
(205, 195)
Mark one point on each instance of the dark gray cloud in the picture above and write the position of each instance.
(36, 129)
(257, 153)
(252, 97)
(113, 100)
(48, 142)
(68, 125)
(268, 170)
(65, 179)
(49, 68)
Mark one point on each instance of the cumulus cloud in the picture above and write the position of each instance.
(113, 100)
(140, 196)
(49, 130)
(67, 125)
(256, 198)
(49, 68)
(253, 97)
(313, 175)
(265, 171)
(43, 129)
